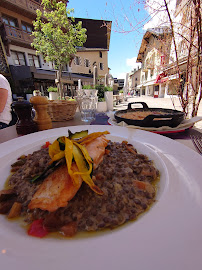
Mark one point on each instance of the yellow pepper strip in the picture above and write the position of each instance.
(83, 169)
(54, 149)
(68, 157)
(81, 162)
(87, 139)
(58, 156)
(85, 152)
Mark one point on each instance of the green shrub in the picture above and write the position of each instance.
(108, 89)
(52, 89)
(87, 86)
(101, 91)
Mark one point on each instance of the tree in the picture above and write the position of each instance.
(186, 45)
(56, 36)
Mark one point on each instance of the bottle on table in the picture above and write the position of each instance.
(25, 123)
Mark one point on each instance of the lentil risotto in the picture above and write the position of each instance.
(125, 177)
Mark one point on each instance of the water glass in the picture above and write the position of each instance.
(87, 108)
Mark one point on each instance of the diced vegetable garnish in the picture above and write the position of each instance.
(15, 210)
(46, 145)
(37, 229)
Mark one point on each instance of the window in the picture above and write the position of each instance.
(12, 24)
(10, 21)
(100, 54)
(101, 66)
(18, 58)
(86, 63)
(34, 61)
(77, 60)
(26, 27)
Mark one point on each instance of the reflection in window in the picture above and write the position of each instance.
(18, 58)
(10, 21)
(34, 60)
(27, 28)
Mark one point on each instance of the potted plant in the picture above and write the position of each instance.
(102, 104)
(53, 93)
(108, 95)
(90, 90)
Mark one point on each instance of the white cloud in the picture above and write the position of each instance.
(159, 17)
(130, 65)
(121, 75)
(131, 62)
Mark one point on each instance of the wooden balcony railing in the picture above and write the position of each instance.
(17, 34)
(28, 5)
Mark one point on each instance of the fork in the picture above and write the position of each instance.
(197, 141)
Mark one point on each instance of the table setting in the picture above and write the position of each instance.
(168, 235)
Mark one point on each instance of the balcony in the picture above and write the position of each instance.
(25, 7)
(16, 35)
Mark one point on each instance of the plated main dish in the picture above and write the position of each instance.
(80, 182)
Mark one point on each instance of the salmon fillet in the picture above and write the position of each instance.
(96, 150)
(56, 190)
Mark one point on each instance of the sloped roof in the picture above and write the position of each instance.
(158, 31)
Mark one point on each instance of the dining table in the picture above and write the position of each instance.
(168, 235)
(183, 137)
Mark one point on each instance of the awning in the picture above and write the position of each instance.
(67, 77)
(161, 78)
(20, 72)
(149, 83)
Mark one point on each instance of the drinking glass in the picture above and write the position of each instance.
(87, 107)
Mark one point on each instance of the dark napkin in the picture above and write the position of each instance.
(100, 119)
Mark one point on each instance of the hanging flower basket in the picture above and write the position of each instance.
(61, 110)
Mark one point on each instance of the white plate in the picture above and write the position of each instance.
(168, 236)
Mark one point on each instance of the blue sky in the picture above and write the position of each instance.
(124, 47)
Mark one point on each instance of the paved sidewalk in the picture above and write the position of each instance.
(152, 102)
